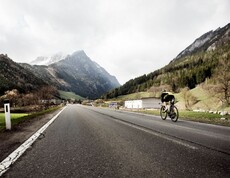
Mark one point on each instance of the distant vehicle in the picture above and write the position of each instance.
(113, 105)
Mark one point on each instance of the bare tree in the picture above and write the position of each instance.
(29, 99)
(189, 99)
(46, 92)
(223, 80)
(13, 96)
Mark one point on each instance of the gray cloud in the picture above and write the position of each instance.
(127, 37)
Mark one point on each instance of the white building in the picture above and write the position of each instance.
(133, 104)
(143, 103)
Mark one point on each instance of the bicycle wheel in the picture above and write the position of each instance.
(174, 114)
(163, 113)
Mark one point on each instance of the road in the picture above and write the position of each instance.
(93, 142)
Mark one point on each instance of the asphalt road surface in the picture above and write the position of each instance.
(93, 142)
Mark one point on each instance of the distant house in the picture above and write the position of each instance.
(143, 103)
(52, 101)
(133, 104)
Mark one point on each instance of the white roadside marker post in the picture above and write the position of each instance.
(7, 114)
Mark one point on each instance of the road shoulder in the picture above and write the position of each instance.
(11, 140)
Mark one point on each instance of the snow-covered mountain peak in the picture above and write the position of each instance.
(44, 60)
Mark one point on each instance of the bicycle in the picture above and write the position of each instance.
(172, 112)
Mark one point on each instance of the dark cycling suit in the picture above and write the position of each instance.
(166, 97)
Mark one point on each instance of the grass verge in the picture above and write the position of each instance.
(18, 118)
(69, 95)
(202, 117)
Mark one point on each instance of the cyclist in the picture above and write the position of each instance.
(166, 97)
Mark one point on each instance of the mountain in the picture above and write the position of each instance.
(208, 41)
(76, 73)
(44, 60)
(14, 76)
(199, 62)
(84, 76)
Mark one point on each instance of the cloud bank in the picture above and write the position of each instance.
(128, 38)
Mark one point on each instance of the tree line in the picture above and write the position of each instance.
(36, 100)
(187, 72)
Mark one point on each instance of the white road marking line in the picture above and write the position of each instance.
(7, 162)
(158, 135)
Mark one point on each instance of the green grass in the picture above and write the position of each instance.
(203, 117)
(205, 99)
(69, 95)
(200, 93)
(17, 118)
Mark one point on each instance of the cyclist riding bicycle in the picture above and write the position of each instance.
(167, 97)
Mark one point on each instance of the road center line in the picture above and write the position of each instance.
(7, 162)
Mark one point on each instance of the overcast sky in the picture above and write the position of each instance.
(128, 38)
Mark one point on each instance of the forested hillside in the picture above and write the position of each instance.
(202, 64)
(14, 76)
